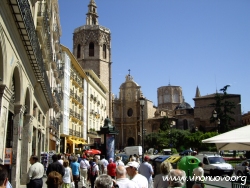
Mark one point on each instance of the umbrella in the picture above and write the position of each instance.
(237, 139)
(93, 152)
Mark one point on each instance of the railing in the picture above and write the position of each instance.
(38, 65)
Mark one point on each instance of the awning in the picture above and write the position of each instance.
(76, 140)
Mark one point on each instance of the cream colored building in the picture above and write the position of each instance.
(97, 106)
(74, 104)
(28, 62)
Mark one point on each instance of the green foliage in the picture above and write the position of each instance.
(180, 139)
(173, 150)
(224, 109)
(165, 124)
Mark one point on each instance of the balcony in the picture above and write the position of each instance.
(54, 123)
(71, 112)
(25, 24)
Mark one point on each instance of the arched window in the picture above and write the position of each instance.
(104, 55)
(78, 51)
(91, 49)
(93, 21)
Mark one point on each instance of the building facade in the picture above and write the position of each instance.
(27, 56)
(97, 107)
(203, 111)
(92, 48)
(128, 115)
(74, 104)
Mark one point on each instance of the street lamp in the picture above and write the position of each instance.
(171, 126)
(215, 115)
(142, 103)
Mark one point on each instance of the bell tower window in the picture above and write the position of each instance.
(93, 21)
(91, 49)
(104, 51)
(78, 51)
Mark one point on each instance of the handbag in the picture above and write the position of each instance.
(72, 184)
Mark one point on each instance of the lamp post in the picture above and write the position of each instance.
(142, 103)
(215, 115)
(171, 126)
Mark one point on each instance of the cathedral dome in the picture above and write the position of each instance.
(183, 105)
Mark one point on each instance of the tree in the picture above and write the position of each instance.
(165, 124)
(224, 109)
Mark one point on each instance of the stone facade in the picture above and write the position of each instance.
(246, 118)
(203, 111)
(128, 115)
(92, 48)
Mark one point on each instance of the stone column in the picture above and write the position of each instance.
(5, 96)
(26, 146)
(17, 137)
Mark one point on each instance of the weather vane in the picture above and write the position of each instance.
(129, 72)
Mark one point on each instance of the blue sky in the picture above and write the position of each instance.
(187, 43)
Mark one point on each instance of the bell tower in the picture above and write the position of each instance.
(92, 48)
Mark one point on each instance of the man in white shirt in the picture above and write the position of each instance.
(84, 166)
(132, 170)
(104, 164)
(146, 170)
(118, 161)
(35, 173)
(198, 174)
(121, 180)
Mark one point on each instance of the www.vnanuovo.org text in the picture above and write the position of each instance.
(243, 179)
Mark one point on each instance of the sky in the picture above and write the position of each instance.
(186, 43)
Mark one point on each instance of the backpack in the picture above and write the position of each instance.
(92, 171)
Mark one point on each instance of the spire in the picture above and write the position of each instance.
(197, 92)
(92, 17)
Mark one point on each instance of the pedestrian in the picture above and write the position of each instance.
(118, 161)
(161, 180)
(75, 166)
(60, 160)
(54, 180)
(177, 178)
(3, 177)
(132, 171)
(78, 158)
(93, 173)
(35, 173)
(198, 174)
(104, 181)
(146, 170)
(84, 166)
(104, 164)
(68, 177)
(98, 162)
(121, 179)
(111, 168)
(55, 166)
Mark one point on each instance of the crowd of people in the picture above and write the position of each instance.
(98, 172)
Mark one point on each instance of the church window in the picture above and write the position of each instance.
(130, 112)
(93, 9)
(91, 49)
(104, 51)
(78, 51)
(93, 21)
